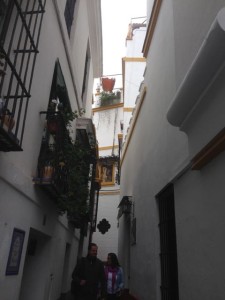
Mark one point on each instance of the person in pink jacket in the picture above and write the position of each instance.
(114, 277)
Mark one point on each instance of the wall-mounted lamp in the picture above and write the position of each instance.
(125, 206)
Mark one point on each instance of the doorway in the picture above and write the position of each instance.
(168, 245)
(33, 285)
(66, 276)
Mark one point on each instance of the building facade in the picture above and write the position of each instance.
(112, 113)
(50, 53)
(171, 239)
(107, 117)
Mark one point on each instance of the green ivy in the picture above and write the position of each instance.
(77, 158)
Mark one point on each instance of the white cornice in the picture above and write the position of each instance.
(202, 73)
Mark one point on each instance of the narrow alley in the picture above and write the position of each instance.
(125, 163)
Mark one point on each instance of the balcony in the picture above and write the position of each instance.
(64, 166)
(52, 169)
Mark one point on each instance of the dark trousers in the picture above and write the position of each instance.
(112, 297)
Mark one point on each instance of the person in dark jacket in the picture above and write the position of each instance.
(89, 276)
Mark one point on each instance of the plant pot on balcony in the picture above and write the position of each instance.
(48, 172)
(108, 84)
(8, 121)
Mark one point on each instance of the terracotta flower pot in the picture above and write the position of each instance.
(108, 84)
(8, 121)
(48, 172)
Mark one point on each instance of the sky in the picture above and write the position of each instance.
(116, 16)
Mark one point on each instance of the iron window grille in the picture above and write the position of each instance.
(168, 255)
(20, 26)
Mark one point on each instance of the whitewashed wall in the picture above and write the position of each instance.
(158, 152)
(107, 209)
(107, 124)
(133, 75)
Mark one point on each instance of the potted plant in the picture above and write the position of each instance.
(7, 119)
(109, 98)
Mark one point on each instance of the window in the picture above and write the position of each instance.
(68, 13)
(52, 171)
(107, 172)
(168, 248)
(86, 72)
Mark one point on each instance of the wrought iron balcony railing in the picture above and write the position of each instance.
(52, 170)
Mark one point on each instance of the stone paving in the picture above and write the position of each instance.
(126, 296)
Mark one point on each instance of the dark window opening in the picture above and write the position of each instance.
(68, 14)
(168, 247)
(58, 91)
(52, 171)
(86, 73)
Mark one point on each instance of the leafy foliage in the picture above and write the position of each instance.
(76, 157)
(108, 98)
